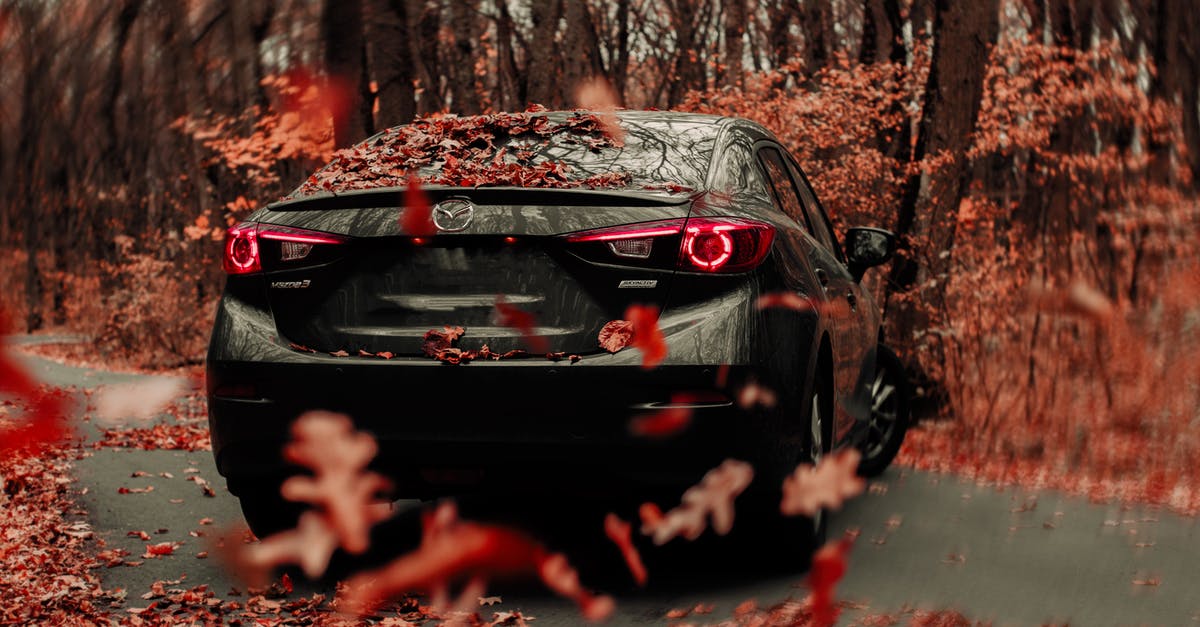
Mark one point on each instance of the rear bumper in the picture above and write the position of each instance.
(507, 422)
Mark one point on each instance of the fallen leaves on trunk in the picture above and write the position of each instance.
(616, 335)
(640, 330)
(834, 480)
(713, 498)
(471, 151)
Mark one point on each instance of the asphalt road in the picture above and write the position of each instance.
(926, 541)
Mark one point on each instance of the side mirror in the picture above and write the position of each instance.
(868, 247)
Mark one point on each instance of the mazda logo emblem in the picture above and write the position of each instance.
(453, 214)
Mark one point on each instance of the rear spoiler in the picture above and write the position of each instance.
(394, 197)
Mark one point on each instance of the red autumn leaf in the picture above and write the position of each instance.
(713, 498)
(597, 95)
(417, 218)
(286, 582)
(651, 515)
(435, 341)
(523, 321)
(340, 353)
(828, 485)
(754, 395)
(45, 411)
(558, 575)
(722, 375)
(140, 401)
(616, 335)
(338, 455)
(310, 545)
(828, 568)
(160, 549)
(785, 300)
(661, 423)
(451, 549)
(620, 532)
(646, 335)
(139, 534)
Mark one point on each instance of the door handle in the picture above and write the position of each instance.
(823, 277)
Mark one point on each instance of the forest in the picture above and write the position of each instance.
(1038, 159)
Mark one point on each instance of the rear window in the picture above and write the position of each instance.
(527, 150)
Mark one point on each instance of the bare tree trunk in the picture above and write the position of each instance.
(391, 62)
(542, 78)
(620, 73)
(342, 34)
(464, 100)
(735, 29)
(510, 85)
(963, 34)
(581, 60)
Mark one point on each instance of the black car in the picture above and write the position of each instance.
(570, 218)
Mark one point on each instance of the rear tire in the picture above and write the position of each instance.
(267, 512)
(803, 535)
(889, 414)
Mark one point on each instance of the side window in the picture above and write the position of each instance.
(781, 183)
(735, 173)
(822, 229)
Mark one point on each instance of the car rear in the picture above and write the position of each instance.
(331, 304)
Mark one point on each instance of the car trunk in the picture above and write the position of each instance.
(382, 291)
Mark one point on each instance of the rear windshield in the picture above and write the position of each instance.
(559, 150)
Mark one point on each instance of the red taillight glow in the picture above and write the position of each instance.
(243, 254)
(725, 244)
(241, 249)
(630, 231)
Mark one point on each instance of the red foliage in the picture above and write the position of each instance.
(417, 217)
(523, 321)
(621, 533)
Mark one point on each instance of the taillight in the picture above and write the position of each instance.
(693, 245)
(725, 244)
(633, 241)
(241, 249)
(244, 250)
